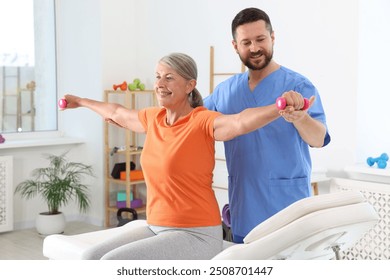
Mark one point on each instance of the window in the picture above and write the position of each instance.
(28, 85)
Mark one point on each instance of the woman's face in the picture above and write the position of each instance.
(171, 89)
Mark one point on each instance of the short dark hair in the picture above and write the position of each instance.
(249, 15)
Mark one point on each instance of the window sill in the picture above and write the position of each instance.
(367, 170)
(39, 142)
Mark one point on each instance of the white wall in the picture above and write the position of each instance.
(317, 38)
(107, 41)
(80, 72)
(373, 133)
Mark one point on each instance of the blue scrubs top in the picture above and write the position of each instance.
(268, 168)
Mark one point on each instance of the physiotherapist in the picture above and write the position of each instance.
(269, 168)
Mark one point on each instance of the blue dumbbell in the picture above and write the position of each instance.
(381, 161)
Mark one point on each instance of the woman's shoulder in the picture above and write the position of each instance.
(202, 111)
(150, 113)
(152, 110)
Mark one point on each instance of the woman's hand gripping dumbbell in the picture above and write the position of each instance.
(281, 103)
(62, 103)
(68, 101)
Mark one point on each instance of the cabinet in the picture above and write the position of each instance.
(124, 146)
(6, 193)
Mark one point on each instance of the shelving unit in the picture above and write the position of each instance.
(131, 150)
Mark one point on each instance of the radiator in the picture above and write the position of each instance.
(6, 193)
(375, 244)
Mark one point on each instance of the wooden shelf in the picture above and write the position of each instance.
(114, 209)
(124, 182)
(146, 91)
(129, 150)
(123, 152)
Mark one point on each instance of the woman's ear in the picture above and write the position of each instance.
(191, 85)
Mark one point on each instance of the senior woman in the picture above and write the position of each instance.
(178, 157)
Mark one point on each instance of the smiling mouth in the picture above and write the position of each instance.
(164, 94)
(256, 55)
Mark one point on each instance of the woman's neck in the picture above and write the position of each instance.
(174, 115)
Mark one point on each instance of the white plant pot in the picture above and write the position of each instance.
(50, 224)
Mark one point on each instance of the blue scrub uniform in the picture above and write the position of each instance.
(268, 168)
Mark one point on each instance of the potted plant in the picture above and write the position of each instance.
(57, 184)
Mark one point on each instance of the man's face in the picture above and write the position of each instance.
(254, 44)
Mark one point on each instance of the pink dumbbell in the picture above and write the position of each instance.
(62, 103)
(281, 103)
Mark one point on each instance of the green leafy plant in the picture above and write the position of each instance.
(58, 184)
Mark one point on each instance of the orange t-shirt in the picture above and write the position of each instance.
(178, 163)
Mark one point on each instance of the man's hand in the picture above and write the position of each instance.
(292, 112)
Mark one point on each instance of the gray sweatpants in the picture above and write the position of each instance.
(160, 243)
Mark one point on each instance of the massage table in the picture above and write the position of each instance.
(313, 228)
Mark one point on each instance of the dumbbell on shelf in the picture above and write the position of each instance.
(122, 86)
(381, 161)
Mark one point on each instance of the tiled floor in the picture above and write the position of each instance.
(27, 244)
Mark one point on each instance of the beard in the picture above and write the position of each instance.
(267, 57)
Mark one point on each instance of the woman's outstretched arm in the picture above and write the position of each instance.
(227, 127)
(111, 112)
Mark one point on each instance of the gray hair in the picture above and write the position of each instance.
(186, 67)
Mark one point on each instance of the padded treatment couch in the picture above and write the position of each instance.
(318, 227)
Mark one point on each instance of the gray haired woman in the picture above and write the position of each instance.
(183, 217)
